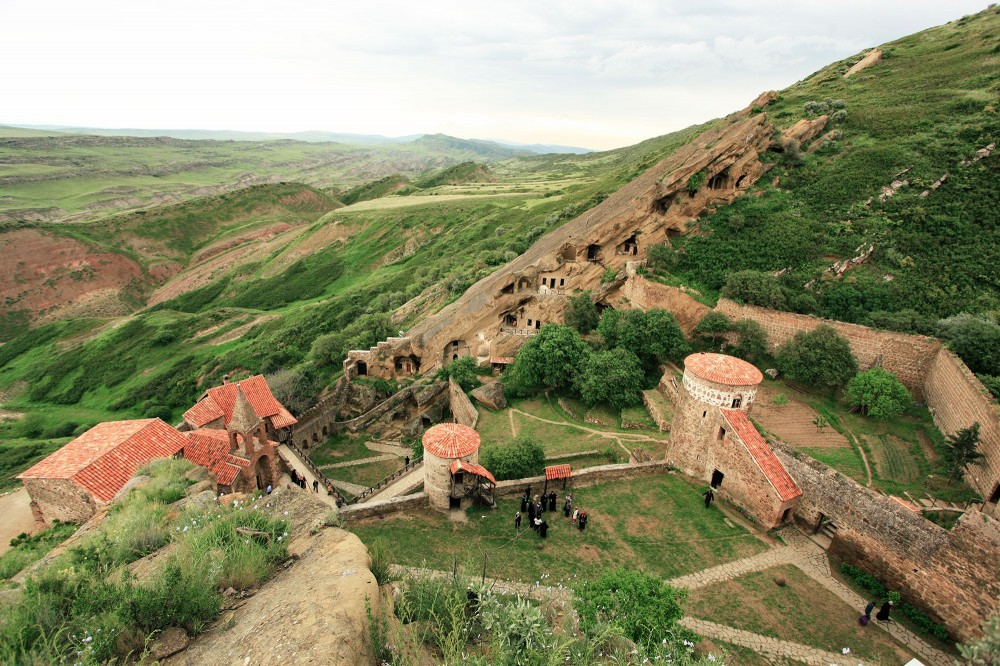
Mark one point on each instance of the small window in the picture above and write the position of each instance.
(529, 322)
(545, 282)
(995, 497)
(454, 343)
(722, 433)
(538, 323)
(737, 401)
(562, 282)
(459, 477)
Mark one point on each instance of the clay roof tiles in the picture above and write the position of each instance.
(221, 401)
(723, 369)
(762, 454)
(450, 440)
(558, 472)
(204, 447)
(103, 459)
(472, 468)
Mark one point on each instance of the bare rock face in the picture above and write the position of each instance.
(491, 396)
(873, 57)
(311, 613)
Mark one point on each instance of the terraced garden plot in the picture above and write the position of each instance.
(895, 458)
(658, 524)
(801, 611)
(793, 421)
(845, 461)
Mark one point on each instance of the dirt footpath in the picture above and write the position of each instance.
(15, 517)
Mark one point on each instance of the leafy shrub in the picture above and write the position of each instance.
(552, 358)
(878, 393)
(521, 458)
(696, 181)
(820, 357)
(645, 608)
(464, 371)
(751, 343)
(877, 590)
(976, 340)
(755, 288)
(381, 566)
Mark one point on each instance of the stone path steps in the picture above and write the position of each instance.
(767, 646)
(385, 447)
(352, 488)
(404, 485)
(294, 461)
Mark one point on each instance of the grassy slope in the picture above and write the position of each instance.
(927, 106)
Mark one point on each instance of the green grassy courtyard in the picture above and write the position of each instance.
(657, 524)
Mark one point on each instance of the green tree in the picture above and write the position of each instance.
(581, 313)
(992, 384)
(960, 450)
(328, 350)
(521, 458)
(552, 358)
(607, 327)
(755, 288)
(614, 377)
(652, 335)
(644, 607)
(464, 371)
(975, 340)
(751, 344)
(712, 326)
(878, 393)
(820, 358)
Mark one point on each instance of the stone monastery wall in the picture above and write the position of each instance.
(906, 356)
(952, 575)
(957, 400)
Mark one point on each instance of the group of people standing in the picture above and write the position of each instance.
(537, 505)
(882, 615)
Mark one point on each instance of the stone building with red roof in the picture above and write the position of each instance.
(73, 482)
(713, 439)
(453, 477)
(215, 407)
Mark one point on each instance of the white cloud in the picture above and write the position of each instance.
(588, 72)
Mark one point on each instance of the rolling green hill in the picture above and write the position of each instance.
(352, 276)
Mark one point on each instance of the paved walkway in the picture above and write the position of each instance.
(404, 485)
(386, 447)
(730, 570)
(359, 461)
(293, 460)
(352, 488)
(767, 646)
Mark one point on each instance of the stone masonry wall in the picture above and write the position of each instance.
(60, 499)
(460, 405)
(745, 484)
(952, 575)
(645, 294)
(906, 356)
(957, 400)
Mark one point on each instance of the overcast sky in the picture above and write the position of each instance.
(581, 72)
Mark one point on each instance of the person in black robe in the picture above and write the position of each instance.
(883, 613)
(517, 520)
(552, 501)
(531, 514)
(581, 520)
(524, 504)
(543, 529)
(709, 496)
(566, 507)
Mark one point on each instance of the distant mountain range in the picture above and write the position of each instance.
(313, 136)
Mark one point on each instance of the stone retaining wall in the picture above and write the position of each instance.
(460, 405)
(356, 512)
(951, 575)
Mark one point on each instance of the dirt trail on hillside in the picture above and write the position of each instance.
(15, 517)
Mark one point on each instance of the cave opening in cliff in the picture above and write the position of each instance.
(739, 181)
(630, 246)
(662, 204)
(719, 181)
(593, 252)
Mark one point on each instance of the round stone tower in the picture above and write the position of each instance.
(444, 444)
(711, 382)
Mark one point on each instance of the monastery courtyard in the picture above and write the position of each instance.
(772, 598)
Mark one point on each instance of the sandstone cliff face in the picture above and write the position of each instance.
(501, 311)
(311, 613)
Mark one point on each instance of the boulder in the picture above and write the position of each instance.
(170, 641)
(491, 396)
(772, 373)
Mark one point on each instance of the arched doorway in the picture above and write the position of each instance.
(262, 470)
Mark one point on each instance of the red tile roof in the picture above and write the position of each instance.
(206, 448)
(450, 440)
(558, 472)
(103, 459)
(220, 400)
(472, 468)
(762, 454)
(723, 369)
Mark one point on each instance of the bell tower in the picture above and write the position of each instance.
(245, 423)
